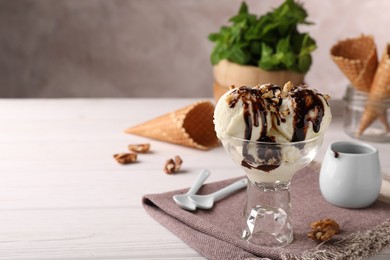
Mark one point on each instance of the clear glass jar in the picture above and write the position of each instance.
(355, 103)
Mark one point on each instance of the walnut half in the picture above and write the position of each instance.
(323, 230)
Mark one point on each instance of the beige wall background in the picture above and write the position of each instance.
(151, 48)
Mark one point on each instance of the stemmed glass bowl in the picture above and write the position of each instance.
(269, 168)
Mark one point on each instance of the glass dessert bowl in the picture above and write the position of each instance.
(269, 168)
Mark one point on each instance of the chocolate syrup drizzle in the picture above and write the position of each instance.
(306, 101)
(256, 108)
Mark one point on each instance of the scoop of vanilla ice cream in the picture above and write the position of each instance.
(236, 113)
(303, 113)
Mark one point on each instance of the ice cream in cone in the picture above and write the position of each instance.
(380, 90)
(358, 59)
(189, 126)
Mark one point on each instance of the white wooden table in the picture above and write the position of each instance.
(63, 196)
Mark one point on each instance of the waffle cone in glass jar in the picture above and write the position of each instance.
(190, 126)
(380, 90)
(358, 59)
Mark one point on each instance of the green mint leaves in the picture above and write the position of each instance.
(271, 42)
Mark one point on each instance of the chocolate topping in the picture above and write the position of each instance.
(263, 167)
(306, 101)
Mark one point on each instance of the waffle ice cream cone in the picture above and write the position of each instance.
(380, 90)
(358, 59)
(189, 126)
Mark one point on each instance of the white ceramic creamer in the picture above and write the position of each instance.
(350, 175)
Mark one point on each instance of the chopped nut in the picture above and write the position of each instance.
(178, 162)
(268, 94)
(275, 100)
(139, 148)
(277, 92)
(288, 86)
(286, 89)
(264, 88)
(327, 97)
(285, 112)
(125, 158)
(173, 165)
(169, 167)
(323, 230)
(231, 87)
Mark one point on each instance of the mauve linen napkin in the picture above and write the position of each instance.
(215, 233)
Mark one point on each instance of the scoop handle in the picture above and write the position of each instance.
(202, 177)
(222, 193)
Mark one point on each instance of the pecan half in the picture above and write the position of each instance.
(169, 166)
(178, 162)
(125, 158)
(139, 148)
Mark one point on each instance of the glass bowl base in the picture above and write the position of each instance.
(267, 219)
